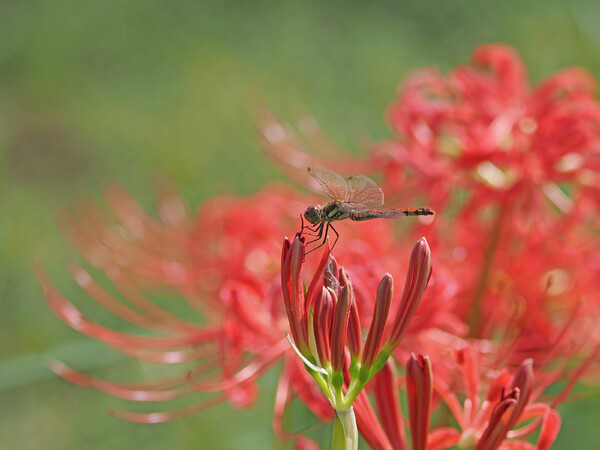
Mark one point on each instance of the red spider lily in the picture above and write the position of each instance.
(230, 277)
(488, 130)
(319, 321)
(503, 418)
(332, 308)
(491, 422)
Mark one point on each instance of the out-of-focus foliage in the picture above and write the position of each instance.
(125, 91)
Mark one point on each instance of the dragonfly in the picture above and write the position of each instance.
(357, 198)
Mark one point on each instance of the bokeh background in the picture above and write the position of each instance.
(112, 91)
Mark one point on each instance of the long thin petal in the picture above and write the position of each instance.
(385, 293)
(419, 271)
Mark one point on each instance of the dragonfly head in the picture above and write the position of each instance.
(314, 214)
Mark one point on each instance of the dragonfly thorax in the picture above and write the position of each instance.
(314, 214)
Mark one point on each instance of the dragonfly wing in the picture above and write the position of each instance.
(364, 190)
(332, 183)
(353, 208)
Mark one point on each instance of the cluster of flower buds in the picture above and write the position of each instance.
(326, 329)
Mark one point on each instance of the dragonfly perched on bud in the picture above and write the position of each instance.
(357, 198)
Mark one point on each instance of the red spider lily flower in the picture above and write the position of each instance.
(239, 331)
(507, 411)
(329, 313)
(490, 422)
(504, 417)
(319, 319)
(490, 132)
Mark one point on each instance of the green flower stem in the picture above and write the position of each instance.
(345, 432)
(354, 389)
(380, 361)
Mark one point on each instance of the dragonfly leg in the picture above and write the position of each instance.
(313, 228)
(321, 233)
(318, 233)
(337, 236)
(318, 236)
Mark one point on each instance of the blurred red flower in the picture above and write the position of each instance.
(482, 128)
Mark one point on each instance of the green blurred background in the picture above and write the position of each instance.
(92, 92)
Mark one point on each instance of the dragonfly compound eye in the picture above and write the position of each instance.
(313, 214)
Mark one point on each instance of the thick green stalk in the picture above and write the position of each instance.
(345, 432)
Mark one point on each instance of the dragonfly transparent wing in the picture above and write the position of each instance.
(332, 183)
(361, 189)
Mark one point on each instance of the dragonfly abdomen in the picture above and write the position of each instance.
(389, 213)
(374, 213)
(418, 212)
